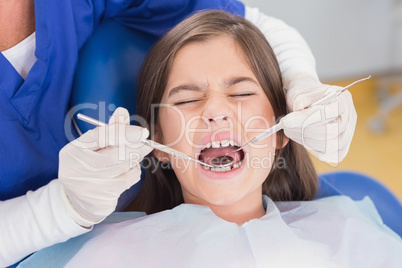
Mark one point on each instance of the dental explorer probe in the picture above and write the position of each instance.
(228, 160)
(150, 143)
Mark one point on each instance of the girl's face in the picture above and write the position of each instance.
(213, 99)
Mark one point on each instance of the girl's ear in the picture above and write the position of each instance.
(161, 156)
(285, 140)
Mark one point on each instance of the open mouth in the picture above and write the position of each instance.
(219, 149)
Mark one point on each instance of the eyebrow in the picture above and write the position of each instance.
(237, 80)
(193, 87)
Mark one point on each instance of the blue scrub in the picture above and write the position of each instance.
(32, 112)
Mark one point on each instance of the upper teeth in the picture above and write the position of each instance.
(222, 143)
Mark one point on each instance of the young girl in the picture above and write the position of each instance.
(207, 68)
(208, 87)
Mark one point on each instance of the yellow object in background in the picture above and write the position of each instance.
(376, 154)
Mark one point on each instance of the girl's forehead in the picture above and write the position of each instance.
(211, 44)
(216, 57)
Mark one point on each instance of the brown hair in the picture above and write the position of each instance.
(292, 176)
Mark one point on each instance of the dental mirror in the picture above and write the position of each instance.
(222, 161)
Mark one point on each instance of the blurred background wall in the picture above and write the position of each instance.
(349, 38)
(352, 39)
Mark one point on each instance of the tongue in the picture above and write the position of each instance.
(210, 153)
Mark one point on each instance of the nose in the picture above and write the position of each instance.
(217, 109)
(217, 118)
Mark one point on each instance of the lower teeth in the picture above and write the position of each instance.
(223, 169)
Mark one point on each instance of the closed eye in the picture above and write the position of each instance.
(185, 102)
(242, 95)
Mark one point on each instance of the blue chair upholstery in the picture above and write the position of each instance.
(357, 186)
(106, 78)
(107, 72)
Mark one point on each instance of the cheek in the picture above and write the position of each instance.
(258, 118)
(258, 114)
(172, 124)
(174, 134)
(262, 162)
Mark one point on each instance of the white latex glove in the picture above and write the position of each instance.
(326, 130)
(98, 166)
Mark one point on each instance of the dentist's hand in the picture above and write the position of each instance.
(100, 165)
(326, 130)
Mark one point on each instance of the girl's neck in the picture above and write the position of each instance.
(239, 218)
(239, 212)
